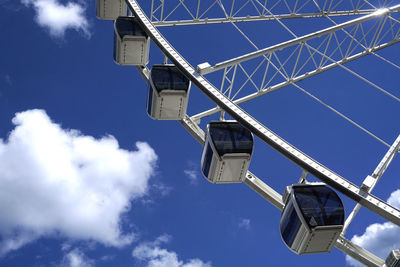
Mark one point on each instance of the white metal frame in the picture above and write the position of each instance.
(199, 14)
(360, 195)
(298, 157)
(320, 59)
(275, 198)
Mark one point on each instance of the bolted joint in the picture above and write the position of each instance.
(368, 183)
(204, 68)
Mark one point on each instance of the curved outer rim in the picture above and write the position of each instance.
(308, 164)
(253, 182)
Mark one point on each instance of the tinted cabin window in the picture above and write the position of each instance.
(319, 205)
(168, 77)
(231, 138)
(149, 100)
(115, 46)
(128, 27)
(207, 160)
(290, 224)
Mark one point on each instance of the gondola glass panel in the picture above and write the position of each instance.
(227, 152)
(168, 93)
(131, 44)
(312, 219)
(111, 9)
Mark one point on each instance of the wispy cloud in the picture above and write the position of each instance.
(56, 181)
(10, 5)
(76, 258)
(192, 175)
(379, 238)
(58, 18)
(192, 172)
(107, 257)
(154, 256)
(244, 224)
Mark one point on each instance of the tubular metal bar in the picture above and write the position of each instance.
(289, 151)
(251, 180)
(275, 199)
(376, 175)
(386, 160)
(358, 253)
(144, 72)
(193, 129)
(299, 78)
(261, 18)
(264, 190)
(304, 38)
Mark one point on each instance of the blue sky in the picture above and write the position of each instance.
(88, 179)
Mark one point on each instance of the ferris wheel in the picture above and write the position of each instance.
(314, 37)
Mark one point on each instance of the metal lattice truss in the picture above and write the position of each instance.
(269, 69)
(163, 13)
(281, 65)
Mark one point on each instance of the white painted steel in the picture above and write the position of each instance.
(110, 9)
(298, 157)
(230, 168)
(132, 50)
(371, 181)
(319, 239)
(275, 141)
(275, 199)
(259, 18)
(255, 10)
(358, 253)
(168, 105)
(298, 40)
(386, 160)
(296, 79)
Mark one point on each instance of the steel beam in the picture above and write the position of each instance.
(358, 253)
(251, 180)
(371, 181)
(299, 78)
(272, 139)
(298, 40)
(261, 18)
(275, 199)
(298, 157)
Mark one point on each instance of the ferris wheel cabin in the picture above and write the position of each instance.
(168, 93)
(111, 9)
(131, 43)
(312, 219)
(393, 259)
(227, 152)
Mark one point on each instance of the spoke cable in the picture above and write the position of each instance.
(306, 92)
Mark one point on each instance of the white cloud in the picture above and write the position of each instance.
(154, 256)
(58, 18)
(75, 258)
(107, 257)
(379, 238)
(394, 199)
(192, 175)
(244, 223)
(192, 172)
(60, 182)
